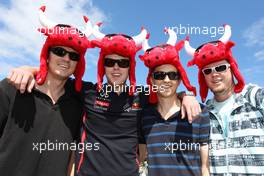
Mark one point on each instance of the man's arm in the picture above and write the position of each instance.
(142, 153)
(6, 92)
(204, 132)
(190, 106)
(142, 159)
(23, 78)
(255, 95)
(71, 166)
(204, 151)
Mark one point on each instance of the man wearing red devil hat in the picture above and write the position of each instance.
(110, 125)
(163, 131)
(109, 132)
(236, 110)
(113, 116)
(33, 122)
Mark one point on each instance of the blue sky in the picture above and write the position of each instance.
(21, 45)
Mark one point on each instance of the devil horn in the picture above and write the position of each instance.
(190, 50)
(44, 21)
(89, 28)
(173, 36)
(227, 34)
(139, 39)
(97, 33)
(145, 45)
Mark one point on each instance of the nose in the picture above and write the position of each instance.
(214, 74)
(166, 79)
(116, 66)
(66, 57)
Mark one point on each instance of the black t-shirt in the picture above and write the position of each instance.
(29, 123)
(110, 131)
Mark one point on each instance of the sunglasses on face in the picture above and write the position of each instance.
(219, 68)
(162, 75)
(61, 52)
(122, 63)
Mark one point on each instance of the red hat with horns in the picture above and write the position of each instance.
(213, 52)
(164, 54)
(117, 44)
(63, 35)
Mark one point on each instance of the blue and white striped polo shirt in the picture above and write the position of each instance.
(173, 144)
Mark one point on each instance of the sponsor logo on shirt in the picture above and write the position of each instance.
(102, 103)
(136, 106)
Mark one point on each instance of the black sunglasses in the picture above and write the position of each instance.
(61, 52)
(218, 68)
(159, 75)
(123, 63)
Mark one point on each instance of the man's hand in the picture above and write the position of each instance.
(22, 78)
(191, 107)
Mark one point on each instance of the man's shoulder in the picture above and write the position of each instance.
(5, 86)
(251, 89)
(209, 102)
(88, 85)
(203, 117)
(254, 94)
(204, 109)
(70, 84)
(149, 110)
(4, 83)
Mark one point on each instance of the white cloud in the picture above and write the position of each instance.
(4, 69)
(253, 74)
(253, 70)
(19, 39)
(254, 35)
(259, 55)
